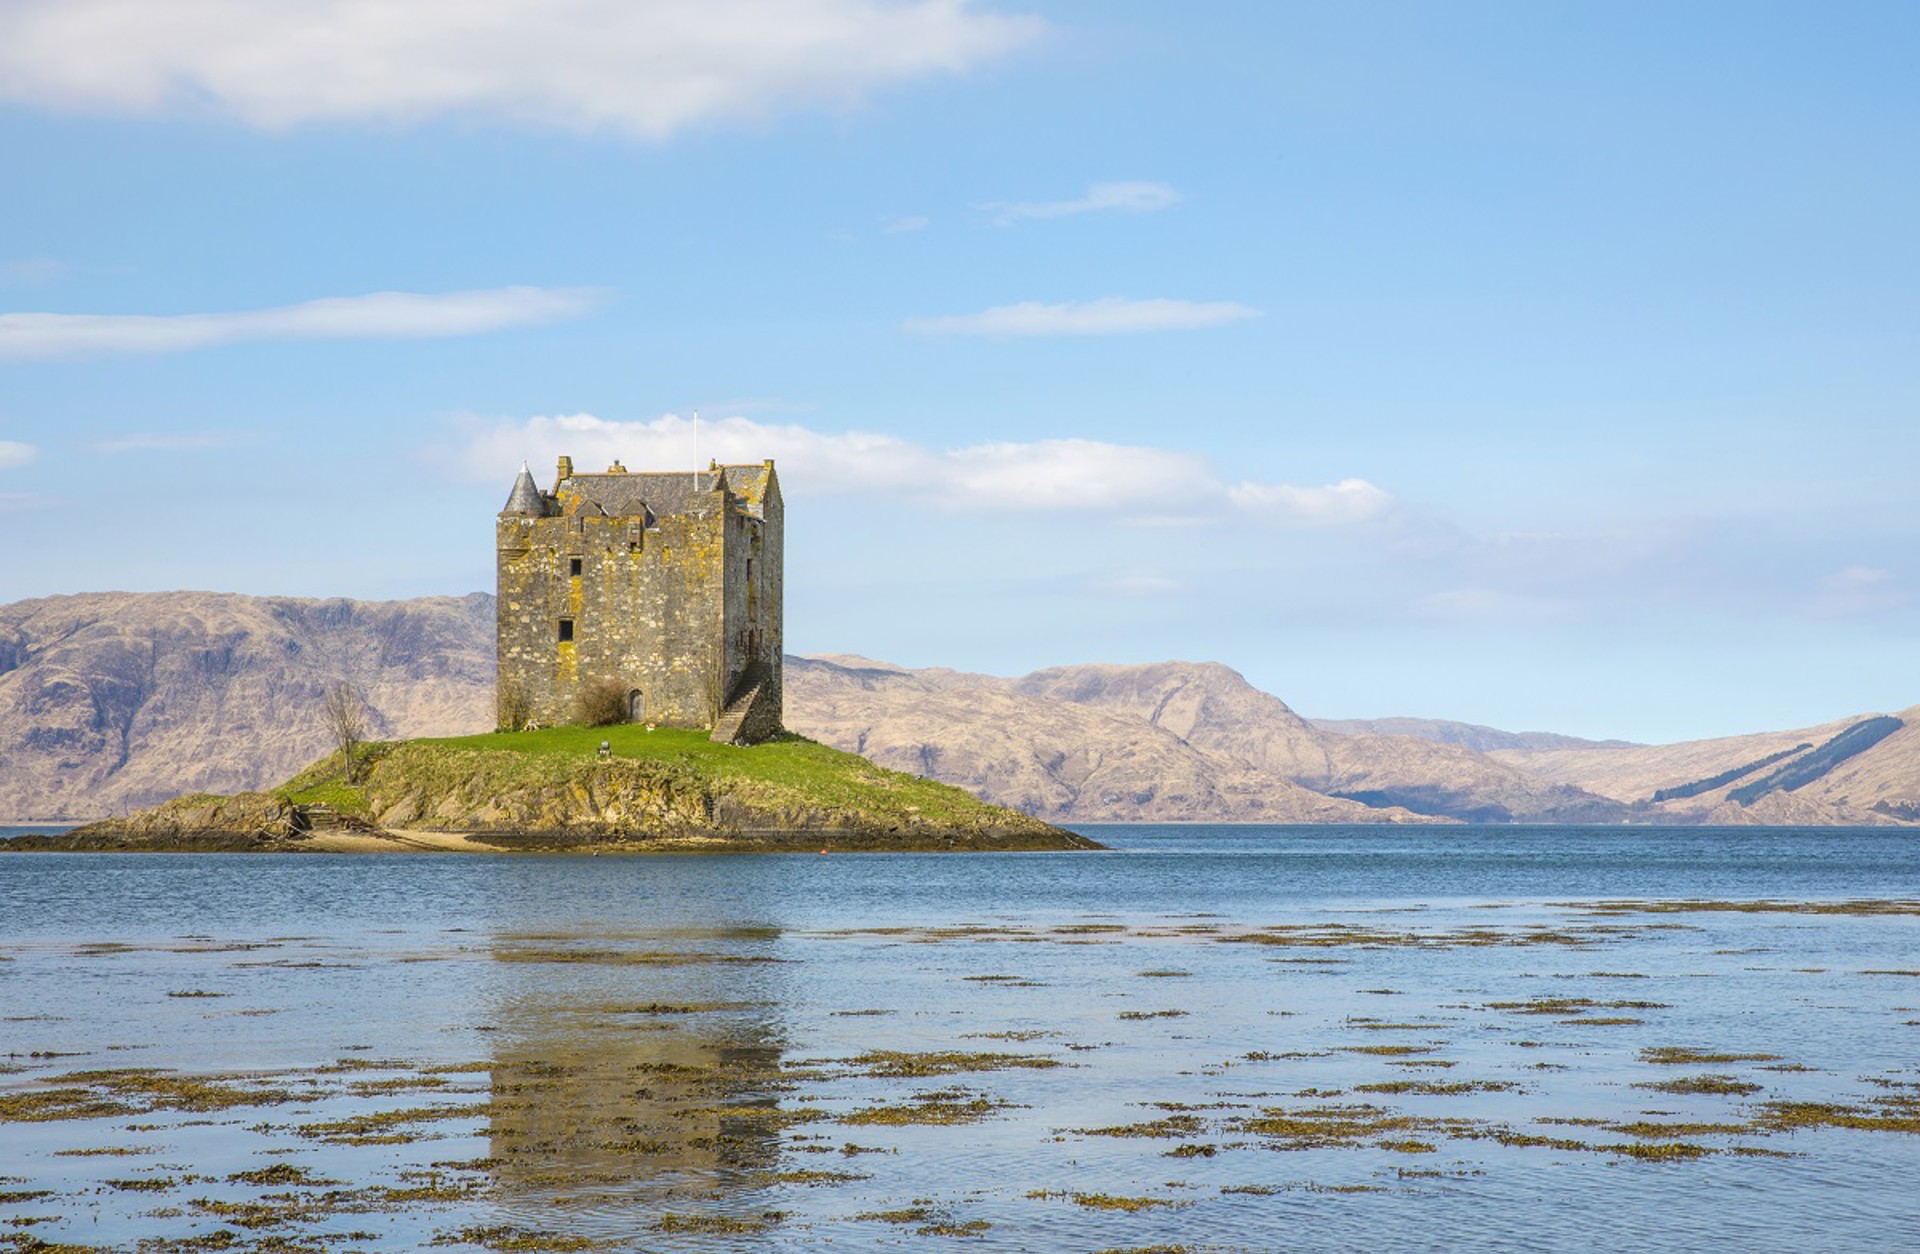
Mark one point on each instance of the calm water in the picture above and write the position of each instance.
(1219, 1037)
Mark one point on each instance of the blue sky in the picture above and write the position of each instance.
(1544, 365)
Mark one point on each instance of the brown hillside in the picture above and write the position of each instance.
(115, 700)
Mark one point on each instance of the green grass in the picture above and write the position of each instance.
(790, 772)
(335, 792)
(789, 759)
(790, 763)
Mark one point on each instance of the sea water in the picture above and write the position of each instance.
(1212, 1037)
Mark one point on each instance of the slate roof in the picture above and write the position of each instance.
(526, 497)
(667, 492)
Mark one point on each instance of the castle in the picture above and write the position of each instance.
(648, 597)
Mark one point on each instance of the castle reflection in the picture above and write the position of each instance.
(648, 1068)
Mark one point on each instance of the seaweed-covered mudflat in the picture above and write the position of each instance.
(1212, 1039)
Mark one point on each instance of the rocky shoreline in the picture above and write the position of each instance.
(551, 842)
(524, 794)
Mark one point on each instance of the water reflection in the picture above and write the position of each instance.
(636, 1068)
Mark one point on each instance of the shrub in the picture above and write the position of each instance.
(600, 703)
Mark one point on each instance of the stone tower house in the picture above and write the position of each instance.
(661, 587)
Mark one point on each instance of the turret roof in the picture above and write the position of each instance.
(526, 498)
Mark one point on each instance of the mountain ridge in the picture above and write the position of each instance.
(115, 700)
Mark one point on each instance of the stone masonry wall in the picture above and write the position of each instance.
(645, 610)
(680, 615)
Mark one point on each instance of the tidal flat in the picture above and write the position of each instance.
(1213, 1038)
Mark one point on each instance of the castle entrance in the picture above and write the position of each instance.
(636, 707)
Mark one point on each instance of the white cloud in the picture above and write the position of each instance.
(168, 442)
(1348, 501)
(1100, 198)
(647, 67)
(1109, 316)
(379, 315)
(13, 453)
(1857, 577)
(1074, 474)
(1139, 585)
(1854, 590)
(32, 270)
(1128, 482)
(900, 226)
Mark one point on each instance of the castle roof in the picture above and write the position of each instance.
(629, 493)
(526, 498)
(751, 485)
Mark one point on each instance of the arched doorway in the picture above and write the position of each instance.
(636, 707)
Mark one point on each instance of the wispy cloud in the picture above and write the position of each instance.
(1858, 590)
(646, 67)
(1138, 585)
(900, 226)
(31, 270)
(1100, 198)
(13, 453)
(173, 441)
(1112, 315)
(1130, 482)
(379, 315)
(1350, 500)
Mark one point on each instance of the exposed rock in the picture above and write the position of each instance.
(198, 821)
(540, 790)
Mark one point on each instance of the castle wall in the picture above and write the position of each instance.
(645, 609)
(686, 613)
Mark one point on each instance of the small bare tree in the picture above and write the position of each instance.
(345, 712)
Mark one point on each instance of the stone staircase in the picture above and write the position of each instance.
(734, 726)
(318, 817)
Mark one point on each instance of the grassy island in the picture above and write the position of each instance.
(557, 789)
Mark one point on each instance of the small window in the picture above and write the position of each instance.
(749, 568)
(573, 567)
(566, 629)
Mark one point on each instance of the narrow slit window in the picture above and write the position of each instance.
(566, 629)
(573, 567)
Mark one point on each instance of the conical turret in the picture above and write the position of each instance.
(526, 498)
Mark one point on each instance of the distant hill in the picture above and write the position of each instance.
(1172, 740)
(1864, 769)
(113, 700)
(116, 700)
(1056, 759)
(1470, 735)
